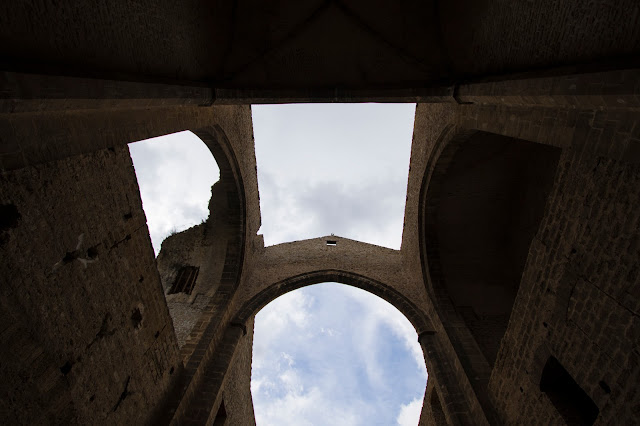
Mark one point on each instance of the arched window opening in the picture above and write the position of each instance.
(334, 354)
(492, 195)
(185, 209)
(175, 173)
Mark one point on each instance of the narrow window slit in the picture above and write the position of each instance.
(185, 280)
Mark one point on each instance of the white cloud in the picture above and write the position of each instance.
(381, 312)
(336, 168)
(371, 212)
(175, 173)
(310, 408)
(344, 360)
(410, 413)
(285, 314)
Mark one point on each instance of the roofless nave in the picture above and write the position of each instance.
(519, 258)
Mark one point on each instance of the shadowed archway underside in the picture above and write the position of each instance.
(384, 291)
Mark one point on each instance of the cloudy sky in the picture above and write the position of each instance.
(327, 354)
(175, 174)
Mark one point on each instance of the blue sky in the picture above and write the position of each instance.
(330, 354)
(327, 353)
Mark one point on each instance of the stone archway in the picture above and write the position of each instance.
(241, 324)
(216, 386)
(419, 321)
(85, 155)
(197, 258)
(208, 330)
(482, 200)
(243, 320)
(352, 355)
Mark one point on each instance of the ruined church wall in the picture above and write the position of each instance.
(279, 262)
(179, 249)
(578, 299)
(40, 137)
(432, 413)
(202, 246)
(86, 335)
(237, 389)
(218, 247)
(432, 123)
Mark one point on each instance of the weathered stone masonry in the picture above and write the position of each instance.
(86, 334)
(591, 209)
(519, 262)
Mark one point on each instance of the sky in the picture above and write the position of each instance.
(175, 173)
(333, 168)
(327, 354)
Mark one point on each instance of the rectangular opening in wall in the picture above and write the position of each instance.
(573, 403)
(346, 170)
(185, 280)
(332, 243)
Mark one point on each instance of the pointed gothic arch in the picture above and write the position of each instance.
(482, 198)
(206, 332)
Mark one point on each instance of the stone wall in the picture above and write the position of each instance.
(87, 338)
(578, 300)
(86, 335)
(576, 307)
(203, 246)
(432, 413)
(275, 263)
(51, 135)
(217, 247)
(237, 389)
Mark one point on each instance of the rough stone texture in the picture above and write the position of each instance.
(579, 307)
(276, 263)
(432, 413)
(308, 49)
(221, 246)
(180, 249)
(562, 309)
(203, 246)
(37, 138)
(239, 405)
(579, 297)
(185, 313)
(86, 336)
(90, 340)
